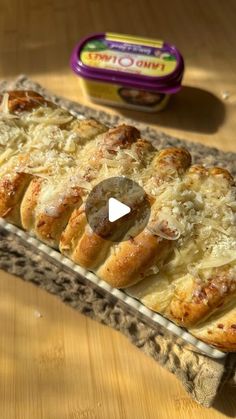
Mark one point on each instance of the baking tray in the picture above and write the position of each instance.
(131, 304)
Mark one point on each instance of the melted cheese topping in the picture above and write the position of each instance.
(50, 138)
(198, 215)
(98, 161)
(205, 248)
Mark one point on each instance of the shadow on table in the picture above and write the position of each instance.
(225, 401)
(192, 109)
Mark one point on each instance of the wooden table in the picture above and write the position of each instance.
(63, 365)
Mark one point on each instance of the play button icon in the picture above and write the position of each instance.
(117, 209)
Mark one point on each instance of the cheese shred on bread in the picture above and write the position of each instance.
(182, 265)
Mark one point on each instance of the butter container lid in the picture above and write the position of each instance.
(137, 62)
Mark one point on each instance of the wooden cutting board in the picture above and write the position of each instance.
(58, 364)
(54, 362)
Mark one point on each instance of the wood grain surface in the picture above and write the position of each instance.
(54, 362)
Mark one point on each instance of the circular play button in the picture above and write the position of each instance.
(117, 209)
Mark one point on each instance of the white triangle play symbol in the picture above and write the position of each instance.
(116, 209)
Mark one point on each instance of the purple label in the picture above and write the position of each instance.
(131, 48)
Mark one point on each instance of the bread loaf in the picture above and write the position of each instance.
(182, 265)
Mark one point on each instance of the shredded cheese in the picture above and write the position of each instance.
(4, 105)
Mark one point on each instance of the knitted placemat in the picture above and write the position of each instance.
(201, 376)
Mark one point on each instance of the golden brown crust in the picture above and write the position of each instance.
(122, 136)
(218, 330)
(91, 250)
(178, 159)
(49, 228)
(219, 171)
(73, 231)
(87, 128)
(132, 259)
(198, 170)
(143, 147)
(194, 303)
(202, 172)
(224, 339)
(25, 100)
(12, 189)
(29, 203)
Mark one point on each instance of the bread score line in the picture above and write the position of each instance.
(183, 264)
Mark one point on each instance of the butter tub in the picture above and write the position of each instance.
(127, 71)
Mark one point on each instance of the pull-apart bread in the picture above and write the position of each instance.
(182, 265)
